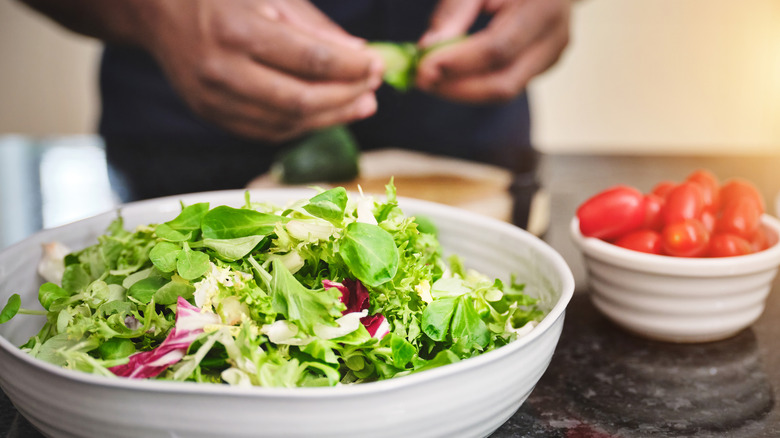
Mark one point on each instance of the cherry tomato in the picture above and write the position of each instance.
(709, 219)
(728, 245)
(653, 207)
(710, 188)
(737, 188)
(612, 213)
(762, 240)
(740, 216)
(663, 188)
(648, 241)
(686, 238)
(686, 201)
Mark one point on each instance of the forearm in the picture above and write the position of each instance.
(118, 21)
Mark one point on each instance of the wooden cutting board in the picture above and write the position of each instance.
(476, 187)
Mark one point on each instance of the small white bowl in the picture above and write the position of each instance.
(470, 398)
(679, 299)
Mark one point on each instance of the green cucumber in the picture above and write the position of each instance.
(328, 155)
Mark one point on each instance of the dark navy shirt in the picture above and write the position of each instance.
(158, 146)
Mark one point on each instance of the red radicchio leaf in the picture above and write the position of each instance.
(188, 326)
(355, 296)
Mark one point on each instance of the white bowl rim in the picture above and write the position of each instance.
(389, 385)
(680, 266)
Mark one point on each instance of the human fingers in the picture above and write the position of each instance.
(259, 98)
(265, 129)
(263, 124)
(450, 18)
(505, 84)
(514, 27)
(242, 79)
(305, 16)
(282, 45)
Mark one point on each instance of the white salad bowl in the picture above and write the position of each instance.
(679, 299)
(470, 398)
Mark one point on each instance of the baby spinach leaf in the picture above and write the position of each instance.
(328, 205)
(11, 308)
(370, 253)
(48, 293)
(190, 218)
(233, 249)
(170, 292)
(444, 357)
(192, 264)
(225, 222)
(144, 290)
(164, 256)
(165, 232)
(116, 348)
(436, 318)
(467, 326)
(402, 351)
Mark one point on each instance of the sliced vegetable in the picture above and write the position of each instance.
(189, 326)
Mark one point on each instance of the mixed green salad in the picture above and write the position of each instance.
(330, 290)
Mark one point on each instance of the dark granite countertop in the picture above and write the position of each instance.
(602, 381)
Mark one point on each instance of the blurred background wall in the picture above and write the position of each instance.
(665, 76)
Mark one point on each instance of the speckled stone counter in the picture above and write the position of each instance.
(604, 382)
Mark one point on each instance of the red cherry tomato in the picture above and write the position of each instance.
(740, 216)
(687, 238)
(710, 188)
(653, 207)
(708, 218)
(728, 245)
(762, 240)
(612, 213)
(686, 201)
(738, 188)
(648, 241)
(663, 188)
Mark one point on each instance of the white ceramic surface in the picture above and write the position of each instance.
(470, 398)
(678, 299)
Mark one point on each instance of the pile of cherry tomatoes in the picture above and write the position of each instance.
(698, 217)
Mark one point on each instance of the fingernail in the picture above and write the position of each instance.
(374, 82)
(428, 39)
(365, 105)
(354, 42)
(269, 12)
(375, 72)
(427, 77)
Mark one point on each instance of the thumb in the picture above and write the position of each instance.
(450, 19)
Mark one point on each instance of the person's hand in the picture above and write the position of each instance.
(523, 39)
(264, 69)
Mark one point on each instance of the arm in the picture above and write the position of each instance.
(116, 21)
(264, 69)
